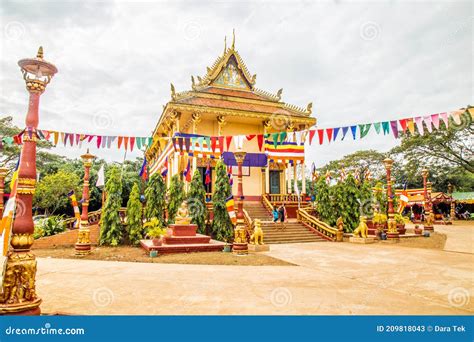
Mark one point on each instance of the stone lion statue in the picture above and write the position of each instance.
(340, 229)
(257, 237)
(362, 229)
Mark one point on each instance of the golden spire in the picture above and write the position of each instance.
(225, 44)
(40, 53)
(233, 39)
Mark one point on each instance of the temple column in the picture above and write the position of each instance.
(392, 232)
(240, 245)
(267, 178)
(295, 176)
(3, 173)
(288, 179)
(196, 117)
(18, 295)
(303, 175)
(428, 224)
(452, 211)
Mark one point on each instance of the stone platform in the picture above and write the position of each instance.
(258, 248)
(184, 240)
(211, 246)
(366, 240)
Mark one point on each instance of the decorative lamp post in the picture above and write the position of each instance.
(427, 202)
(3, 173)
(452, 212)
(83, 244)
(240, 245)
(19, 294)
(392, 232)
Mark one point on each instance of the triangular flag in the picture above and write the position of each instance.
(364, 130)
(208, 143)
(78, 137)
(56, 137)
(403, 124)
(71, 139)
(411, 126)
(435, 120)
(282, 136)
(260, 141)
(344, 132)
(221, 143)
(336, 130)
(311, 135)
(99, 140)
(120, 140)
(228, 141)
(250, 136)
(444, 117)
(394, 126)
(275, 139)
(385, 127)
(354, 131)
(139, 143)
(377, 127)
(132, 142)
(321, 136)
(213, 144)
(329, 134)
(104, 142)
(419, 124)
(427, 120)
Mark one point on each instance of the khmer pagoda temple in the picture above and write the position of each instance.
(224, 108)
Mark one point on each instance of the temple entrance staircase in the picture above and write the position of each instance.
(293, 232)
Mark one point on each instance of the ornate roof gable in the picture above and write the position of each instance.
(228, 71)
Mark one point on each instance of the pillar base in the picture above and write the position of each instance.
(23, 309)
(83, 244)
(240, 248)
(393, 236)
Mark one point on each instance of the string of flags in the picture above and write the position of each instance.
(279, 145)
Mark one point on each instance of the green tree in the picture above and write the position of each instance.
(111, 229)
(324, 203)
(366, 199)
(222, 227)
(155, 199)
(346, 203)
(175, 197)
(197, 202)
(134, 216)
(51, 192)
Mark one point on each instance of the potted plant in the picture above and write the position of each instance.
(227, 247)
(155, 231)
(418, 230)
(400, 223)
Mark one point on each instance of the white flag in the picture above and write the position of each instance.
(100, 177)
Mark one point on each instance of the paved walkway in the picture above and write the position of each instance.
(333, 278)
(460, 237)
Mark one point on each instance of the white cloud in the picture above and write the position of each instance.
(357, 62)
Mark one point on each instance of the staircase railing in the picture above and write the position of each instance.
(267, 204)
(249, 223)
(321, 227)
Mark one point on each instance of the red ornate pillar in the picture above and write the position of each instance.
(83, 244)
(428, 224)
(3, 173)
(392, 232)
(19, 293)
(240, 245)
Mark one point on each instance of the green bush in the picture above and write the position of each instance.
(48, 226)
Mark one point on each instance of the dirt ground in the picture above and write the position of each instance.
(136, 254)
(435, 241)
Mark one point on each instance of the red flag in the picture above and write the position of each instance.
(260, 141)
(187, 172)
(208, 174)
(221, 144)
(228, 140)
(120, 139)
(213, 144)
(132, 142)
(329, 134)
(321, 136)
(250, 136)
(311, 135)
(90, 138)
(403, 124)
(99, 140)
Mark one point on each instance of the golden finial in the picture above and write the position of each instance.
(40, 53)
(225, 44)
(233, 39)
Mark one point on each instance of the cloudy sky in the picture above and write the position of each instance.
(358, 61)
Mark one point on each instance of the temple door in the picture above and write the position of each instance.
(274, 182)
